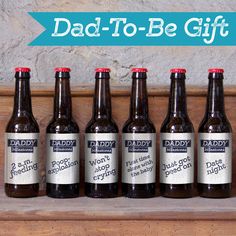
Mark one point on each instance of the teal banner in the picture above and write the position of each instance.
(136, 28)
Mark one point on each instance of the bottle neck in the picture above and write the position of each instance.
(139, 97)
(62, 99)
(102, 97)
(22, 99)
(177, 99)
(215, 100)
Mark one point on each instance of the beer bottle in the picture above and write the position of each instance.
(62, 167)
(101, 143)
(215, 143)
(139, 143)
(177, 143)
(22, 142)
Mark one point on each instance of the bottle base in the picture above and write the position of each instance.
(177, 190)
(139, 190)
(214, 190)
(22, 191)
(101, 190)
(62, 190)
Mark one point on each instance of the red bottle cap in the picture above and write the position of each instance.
(102, 70)
(178, 70)
(216, 70)
(62, 69)
(139, 70)
(22, 69)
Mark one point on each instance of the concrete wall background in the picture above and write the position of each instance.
(18, 29)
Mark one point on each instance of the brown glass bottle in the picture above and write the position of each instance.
(215, 126)
(62, 129)
(139, 140)
(22, 126)
(177, 126)
(101, 130)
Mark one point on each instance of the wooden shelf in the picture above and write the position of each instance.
(83, 208)
(38, 89)
(118, 216)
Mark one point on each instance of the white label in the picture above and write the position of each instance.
(21, 158)
(101, 158)
(215, 158)
(139, 158)
(62, 158)
(177, 158)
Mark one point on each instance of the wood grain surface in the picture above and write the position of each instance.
(117, 228)
(121, 208)
(39, 89)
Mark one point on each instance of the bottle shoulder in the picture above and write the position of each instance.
(22, 124)
(139, 126)
(62, 125)
(215, 124)
(101, 126)
(177, 124)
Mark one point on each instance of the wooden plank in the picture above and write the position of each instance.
(116, 90)
(121, 208)
(117, 228)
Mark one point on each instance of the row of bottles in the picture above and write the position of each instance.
(101, 143)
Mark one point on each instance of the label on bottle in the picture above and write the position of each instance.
(215, 158)
(101, 158)
(21, 158)
(177, 158)
(62, 158)
(139, 158)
